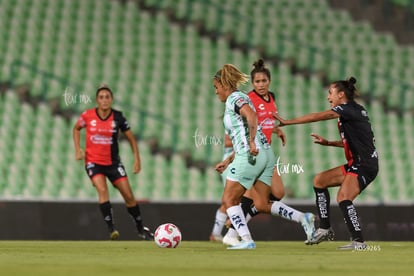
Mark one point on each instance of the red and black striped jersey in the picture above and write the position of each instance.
(264, 110)
(102, 136)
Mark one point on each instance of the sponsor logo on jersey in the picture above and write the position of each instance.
(102, 140)
(261, 107)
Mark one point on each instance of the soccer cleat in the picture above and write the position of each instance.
(146, 234)
(229, 240)
(114, 235)
(216, 238)
(308, 225)
(243, 245)
(354, 245)
(321, 235)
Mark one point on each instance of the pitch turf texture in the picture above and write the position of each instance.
(100, 258)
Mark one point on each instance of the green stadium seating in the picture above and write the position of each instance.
(165, 70)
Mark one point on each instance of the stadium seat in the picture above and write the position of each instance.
(163, 70)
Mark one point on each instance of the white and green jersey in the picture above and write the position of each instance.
(236, 125)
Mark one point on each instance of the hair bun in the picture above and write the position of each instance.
(259, 63)
(352, 80)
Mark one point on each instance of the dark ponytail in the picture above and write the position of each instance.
(259, 67)
(348, 87)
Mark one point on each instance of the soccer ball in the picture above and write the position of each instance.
(167, 235)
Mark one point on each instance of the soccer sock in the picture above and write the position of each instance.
(219, 223)
(135, 213)
(273, 198)
(232, 232)
(323, 206)
(248, 207)
(280, 209)
(351, 220)
(249, 210)
(107, 213)
(238, 220)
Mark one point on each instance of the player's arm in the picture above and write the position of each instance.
(79, 154)
(279, 132)
(221, 166)
(308, 118)
(227, 141)
(251, 117)
(134, 146)
(317, 139)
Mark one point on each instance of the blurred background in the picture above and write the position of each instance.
(159, 56)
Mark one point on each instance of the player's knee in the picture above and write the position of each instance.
(277, 195)
(261, 206)
(102, 190)
(228, 201)
(130, 201)
(317, 182)
(350, 195)
(341, 197)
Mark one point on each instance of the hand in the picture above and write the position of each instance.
(80, 154)
(282, 122)
(279, 132)
(137, 167)
(317, 139)
(253, 150)
(222, 166)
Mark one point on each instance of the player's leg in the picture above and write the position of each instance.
(233, 191)
(133, 208)
(261, 193)
(219, 222)
(277, 187)
(355, 181)
(118, 176)
(347, 193)
(220, 218)
(321, 183)
(249, 211)
(105, 206)
(277, 192)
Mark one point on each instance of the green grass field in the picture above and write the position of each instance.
(201, 258)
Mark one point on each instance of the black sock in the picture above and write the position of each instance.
(107, 213)
(273, 198)
(323, 206)
(248, 207)
(351, 220)
(135, 213)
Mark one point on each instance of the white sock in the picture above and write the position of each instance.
(280, 209)
(232, 233)
(219, 223)
(238, 220)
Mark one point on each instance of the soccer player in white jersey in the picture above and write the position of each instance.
(252, 160)
(265, 104)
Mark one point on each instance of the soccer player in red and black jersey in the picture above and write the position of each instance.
(357, 139)
(102, 160)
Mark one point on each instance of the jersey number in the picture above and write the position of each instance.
(121, 171)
